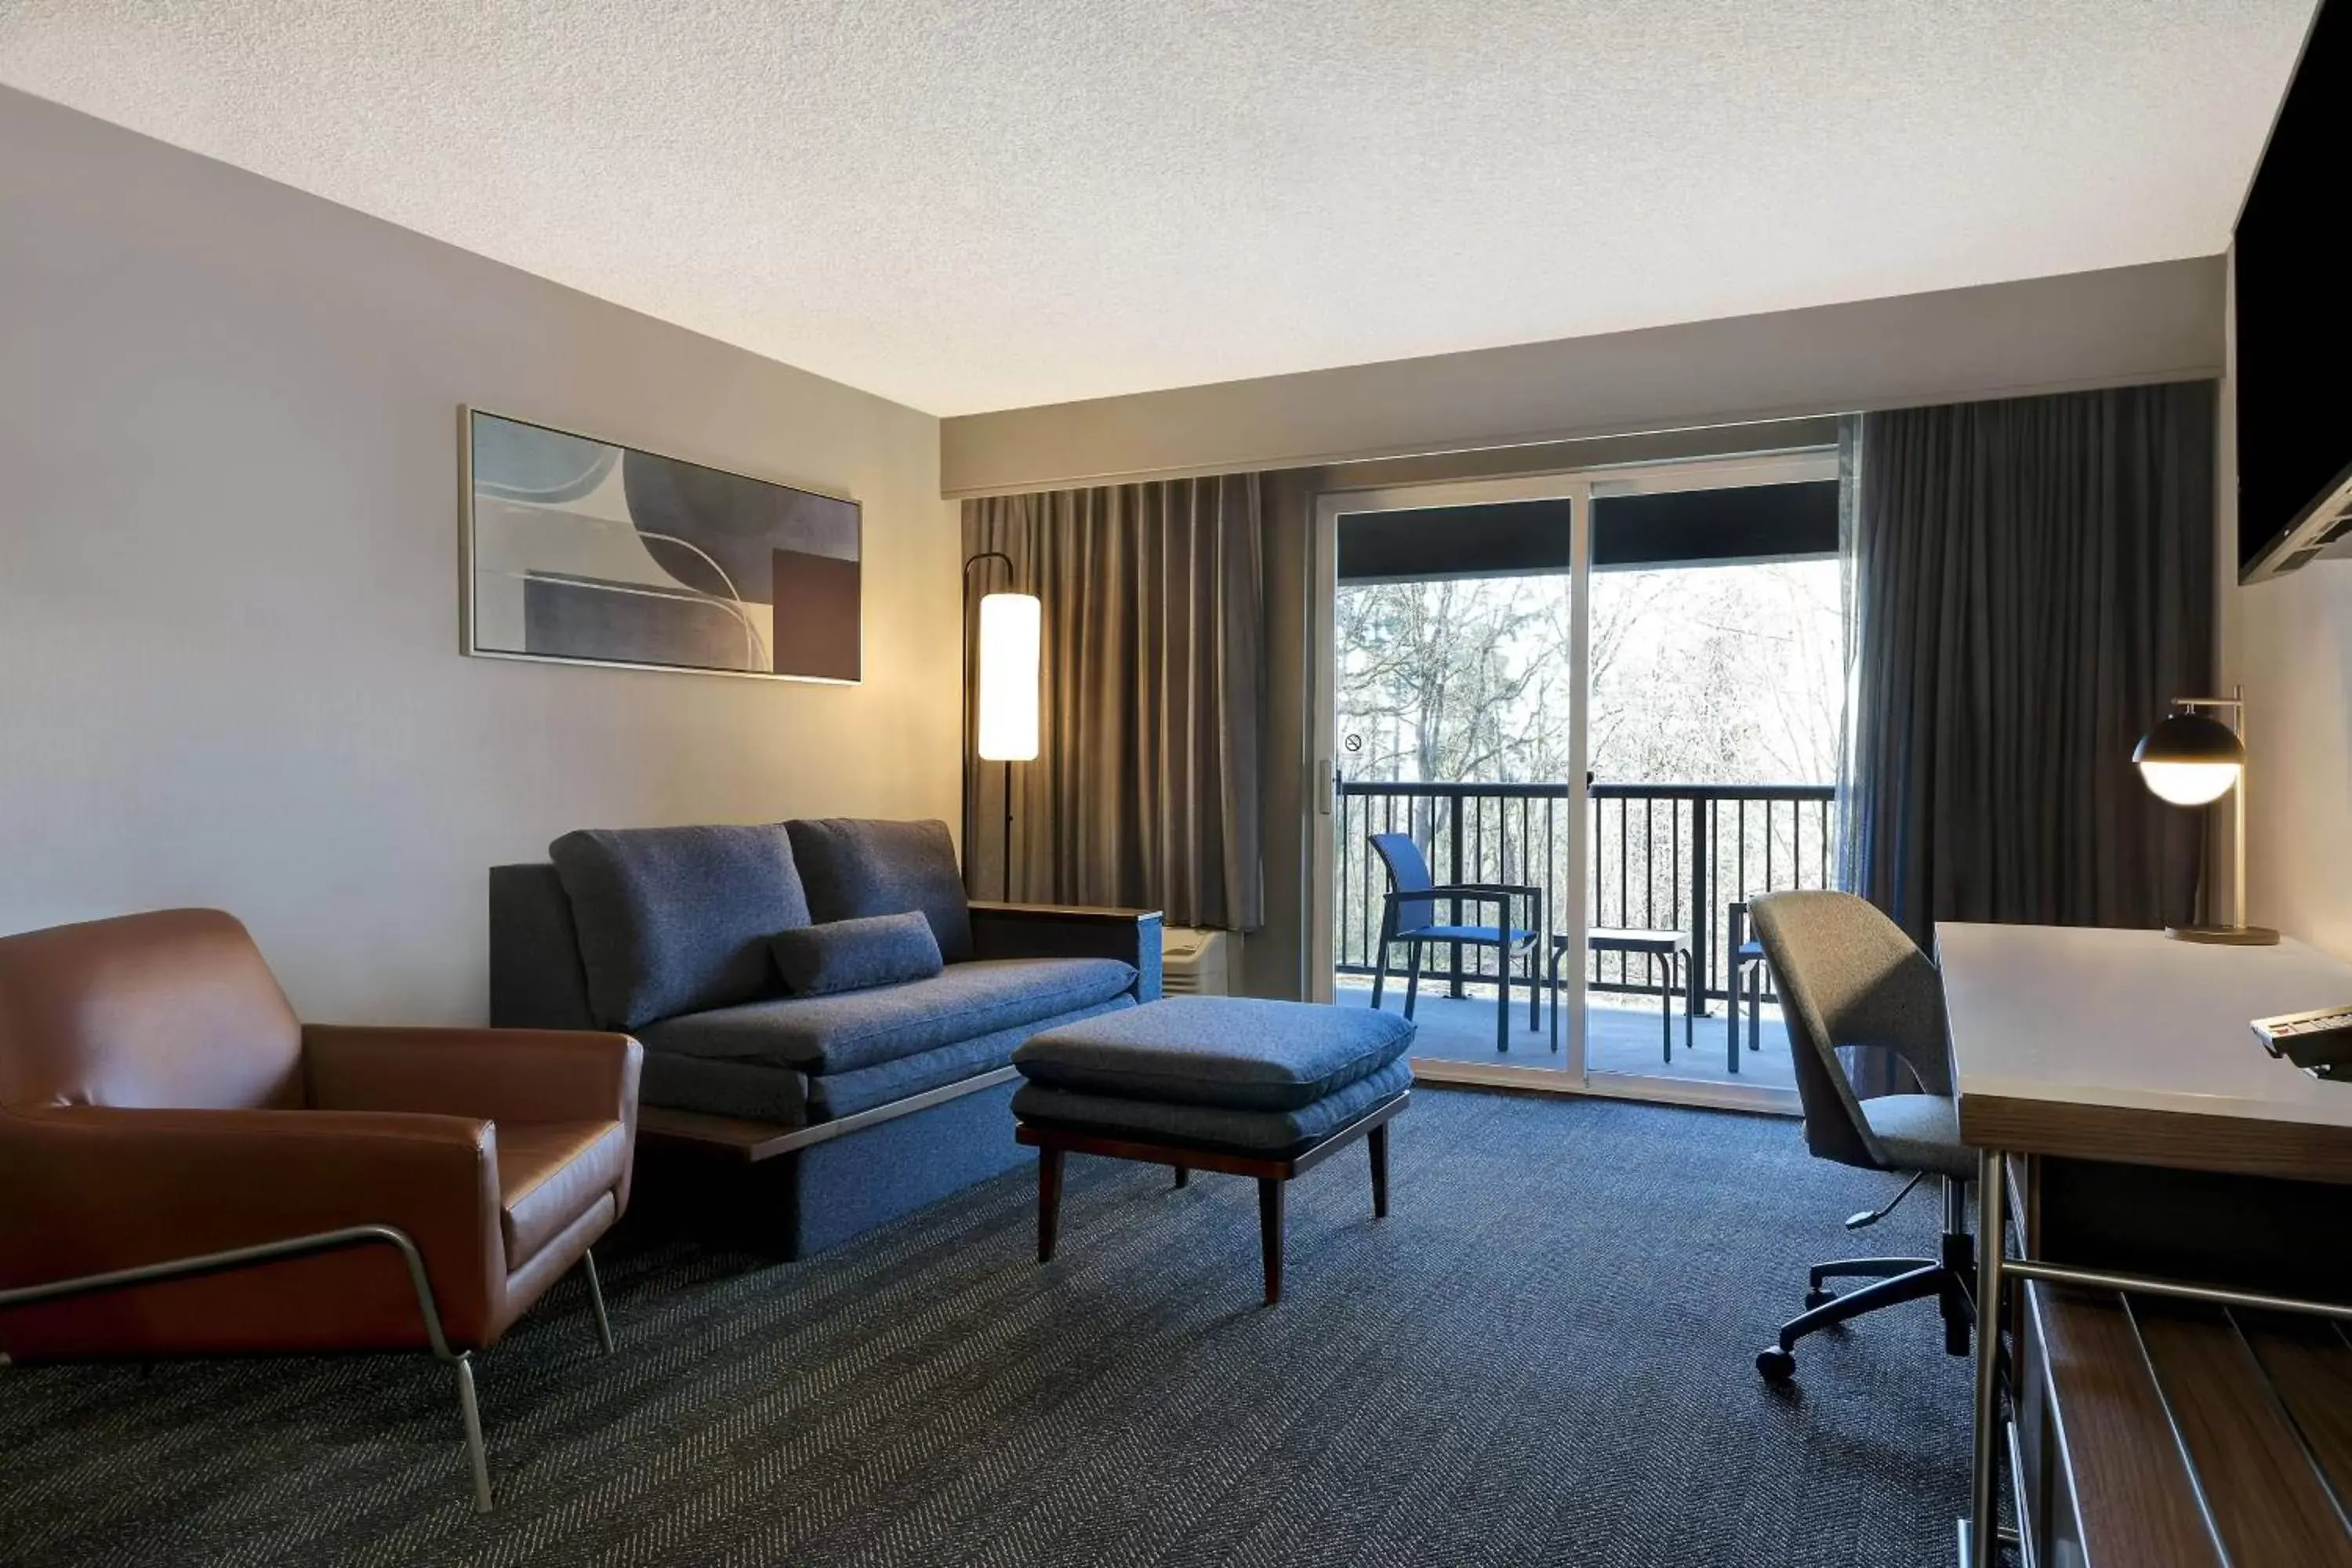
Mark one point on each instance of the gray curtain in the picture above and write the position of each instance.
(1145, 789)
(2033, 584)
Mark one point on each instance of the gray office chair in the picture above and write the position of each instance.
(1848, 977)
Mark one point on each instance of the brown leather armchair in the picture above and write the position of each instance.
(187, 1170)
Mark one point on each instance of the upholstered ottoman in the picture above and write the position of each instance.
(1268, 1089)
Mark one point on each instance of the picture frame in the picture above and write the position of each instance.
(582, 550)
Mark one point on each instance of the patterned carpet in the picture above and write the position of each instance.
(1543, 1357)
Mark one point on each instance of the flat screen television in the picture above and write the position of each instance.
(2293, 319)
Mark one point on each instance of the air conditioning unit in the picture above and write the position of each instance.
(1195, 963)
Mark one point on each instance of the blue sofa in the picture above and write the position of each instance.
(797, 1120)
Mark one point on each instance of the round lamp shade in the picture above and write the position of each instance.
(2190, 759)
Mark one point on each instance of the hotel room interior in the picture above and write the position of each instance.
(1082, 784)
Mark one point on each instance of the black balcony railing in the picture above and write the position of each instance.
(1662, 857)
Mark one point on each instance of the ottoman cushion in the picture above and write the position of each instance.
(1233, 1053)
(1270, 1133)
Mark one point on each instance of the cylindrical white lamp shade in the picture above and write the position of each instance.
(1011, 629)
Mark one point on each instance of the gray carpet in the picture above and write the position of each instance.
(1542, 1357)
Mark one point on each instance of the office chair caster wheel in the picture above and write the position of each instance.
(1777, 1364)
(1819, 1299)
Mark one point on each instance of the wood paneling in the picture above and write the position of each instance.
(2187, 1439)
(2135, 1503)
(2267, 1500)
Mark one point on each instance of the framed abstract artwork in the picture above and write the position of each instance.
(584, 552)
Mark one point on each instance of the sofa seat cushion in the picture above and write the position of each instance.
(677, 920)
(753, 1091)
(1232, 1051)
(1270, 1133)
(552, 1173)
(858, 1028)
(839, 1094)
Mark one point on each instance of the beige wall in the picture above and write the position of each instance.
(2289, 642)
(229, 574)
(2158, 322)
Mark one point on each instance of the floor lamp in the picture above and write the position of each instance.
(1012, 627)
(2191, 758)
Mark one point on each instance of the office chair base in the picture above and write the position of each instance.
(1893, 1280)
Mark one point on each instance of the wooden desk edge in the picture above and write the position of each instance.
(2303, 1150)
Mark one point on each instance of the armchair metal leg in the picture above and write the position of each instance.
(205, 1265)
(477, 1456)
(1412, 976)
(596, 1301)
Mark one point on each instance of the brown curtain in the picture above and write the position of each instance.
(1144, 792)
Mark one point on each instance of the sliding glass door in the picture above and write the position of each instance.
(1608, 703)
(1451, 686)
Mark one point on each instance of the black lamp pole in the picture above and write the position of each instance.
(970, 562)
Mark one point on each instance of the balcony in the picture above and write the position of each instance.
(1662, 856)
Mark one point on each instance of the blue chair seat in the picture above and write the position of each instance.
(1486, 934)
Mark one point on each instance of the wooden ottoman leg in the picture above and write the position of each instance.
(1182, 1177)
(1377, 1141)
(1269, 1234)
(1049, 1200)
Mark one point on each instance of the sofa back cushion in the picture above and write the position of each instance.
(855, 955)
(857, 867)
(677, 920)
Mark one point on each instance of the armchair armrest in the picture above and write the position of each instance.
(494, 1075)
(97, 1189)
(1070, 931)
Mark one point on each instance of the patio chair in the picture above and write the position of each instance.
(1409, 915)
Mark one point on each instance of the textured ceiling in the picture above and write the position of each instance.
(989, 205)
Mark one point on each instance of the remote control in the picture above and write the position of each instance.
(2319, 1041)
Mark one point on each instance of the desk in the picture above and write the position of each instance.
(2120, 1048)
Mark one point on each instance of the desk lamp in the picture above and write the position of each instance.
(2190, 758)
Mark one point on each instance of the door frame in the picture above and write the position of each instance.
(1580, 487)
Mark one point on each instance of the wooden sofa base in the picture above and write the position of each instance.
(792, 1191)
